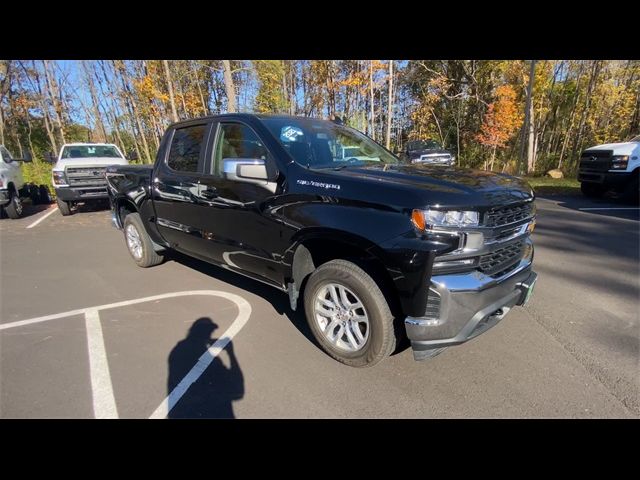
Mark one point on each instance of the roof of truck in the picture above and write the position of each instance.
(245, 115)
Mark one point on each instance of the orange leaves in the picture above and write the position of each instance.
(501, 120)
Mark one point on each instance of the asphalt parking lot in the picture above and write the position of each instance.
(80, 337)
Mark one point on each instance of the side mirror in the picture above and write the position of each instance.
(50, 158)
(132, 156)
(248, 170)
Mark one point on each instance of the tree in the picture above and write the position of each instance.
(229, 87)
(500, 121)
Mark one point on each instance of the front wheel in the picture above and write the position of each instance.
(64, 207)
(138, 242)
(14, 209)
(592, 189)
(348, 314)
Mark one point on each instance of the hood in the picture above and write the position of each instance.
(89, 162)
(435, 185)
(624, 148)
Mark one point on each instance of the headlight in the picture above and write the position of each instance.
(619, 162)
(444, 218)
(59, 178)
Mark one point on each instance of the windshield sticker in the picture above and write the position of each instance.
(290, 134)
(313, 183)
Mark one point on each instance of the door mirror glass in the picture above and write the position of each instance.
(132, 156)
(50, 157)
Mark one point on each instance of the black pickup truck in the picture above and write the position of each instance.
(374, 248)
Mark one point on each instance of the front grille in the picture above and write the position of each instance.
(85, 176)
(505, 215)
(501, 260)
(435, 158)
(595, 160)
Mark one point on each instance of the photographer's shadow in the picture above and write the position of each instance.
(212, 394)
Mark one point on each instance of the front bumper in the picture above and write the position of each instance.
(82, 194)
(470, 304)
(607, 179)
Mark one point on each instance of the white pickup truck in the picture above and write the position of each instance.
(611, 166)
(13, 189)
(78, 173)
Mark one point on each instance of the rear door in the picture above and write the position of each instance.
(176, 187)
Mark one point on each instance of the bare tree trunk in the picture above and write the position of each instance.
(167, 76)
(124, 79)
(94, 102)
(529, 127)
(371, 101)
(531, 148)
(53, 95)
(577, 146)
(390, 106)
(194, 76)
(229, 87)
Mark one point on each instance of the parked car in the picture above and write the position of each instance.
(611, 166)
(13, 190)
(372, 246)
(427, 151)
(78, 173)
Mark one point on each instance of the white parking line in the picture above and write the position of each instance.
(104, 403)
(102, 390)
(610, 208)
(42, 218)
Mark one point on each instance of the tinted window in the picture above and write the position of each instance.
(87, 151)
(236, 140)
(323, 144)
(186, 146)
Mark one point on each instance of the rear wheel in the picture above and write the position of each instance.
(592, 189)
(14, 209)
(64, 207)
(138, 242)
(348, 314)
(45, 196)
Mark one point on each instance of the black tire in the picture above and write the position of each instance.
(14, 209)
(381, 341)
(148, 257)
(592, 190)
(34, 193)
(64, 207)
(632, 191)
(45, 196)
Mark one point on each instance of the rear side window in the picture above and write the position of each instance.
(186, 147)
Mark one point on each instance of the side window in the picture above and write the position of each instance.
(186, 146)
(236, 140)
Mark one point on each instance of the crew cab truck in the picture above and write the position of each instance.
(78, 173)
(367, 245)
(13, 189)
(612, 166)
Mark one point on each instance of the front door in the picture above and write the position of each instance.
(235, 219)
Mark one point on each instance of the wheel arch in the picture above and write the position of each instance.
(317, 248)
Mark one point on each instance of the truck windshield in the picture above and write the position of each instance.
(423, 145)
(84, 151)
(323, 144)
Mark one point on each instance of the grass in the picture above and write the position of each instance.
(554, 186)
